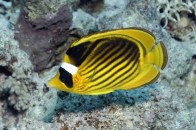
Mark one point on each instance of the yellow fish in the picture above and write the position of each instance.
(111, 60)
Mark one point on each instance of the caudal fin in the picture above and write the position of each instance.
(158, 55)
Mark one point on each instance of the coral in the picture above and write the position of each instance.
(20, 89)
(116, 3)
(11, 59)
(178, 17)
(176, 67)
(5, 8)
(146, 108)
(10, 11)
(188, 86)
(122, 15)
(83, 21)
(27, 123)
(170, 10)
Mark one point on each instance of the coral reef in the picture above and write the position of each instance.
(83, 21)
(144, 108)
(26, 102)
(188, 86)
(20, 88)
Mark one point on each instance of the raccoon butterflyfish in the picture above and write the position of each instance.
(101, 63)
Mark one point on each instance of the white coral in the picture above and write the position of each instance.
(170, 10)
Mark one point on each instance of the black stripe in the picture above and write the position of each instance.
(105, 58)
(131, 52)
(153, 80)
(80, 52)
(118, 83)
(89, 50)
(136, 57)
(103, 45)
(130, 47)
(165, 55)
(101, 56)
(112, 67)
(127, 75)
(77, 51)
(131, 59)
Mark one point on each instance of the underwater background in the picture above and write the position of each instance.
(34, 36)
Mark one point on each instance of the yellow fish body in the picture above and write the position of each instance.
(111, 60)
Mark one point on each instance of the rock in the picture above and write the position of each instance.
(40, 36)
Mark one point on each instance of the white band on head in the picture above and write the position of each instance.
(69, 68)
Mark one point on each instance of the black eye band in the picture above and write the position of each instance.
(66, 77)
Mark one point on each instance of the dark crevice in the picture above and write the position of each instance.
(4, 95)
(62, 95)
(194, 57)
(161, 10)
(163, 22)
(12, 110)
(7, 0)
(91, 5)
(192, 16)
(177, 38)
(5, 70)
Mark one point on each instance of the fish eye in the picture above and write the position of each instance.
(65, 77)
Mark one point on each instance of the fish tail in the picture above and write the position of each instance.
(158, 55)
(154, 60)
